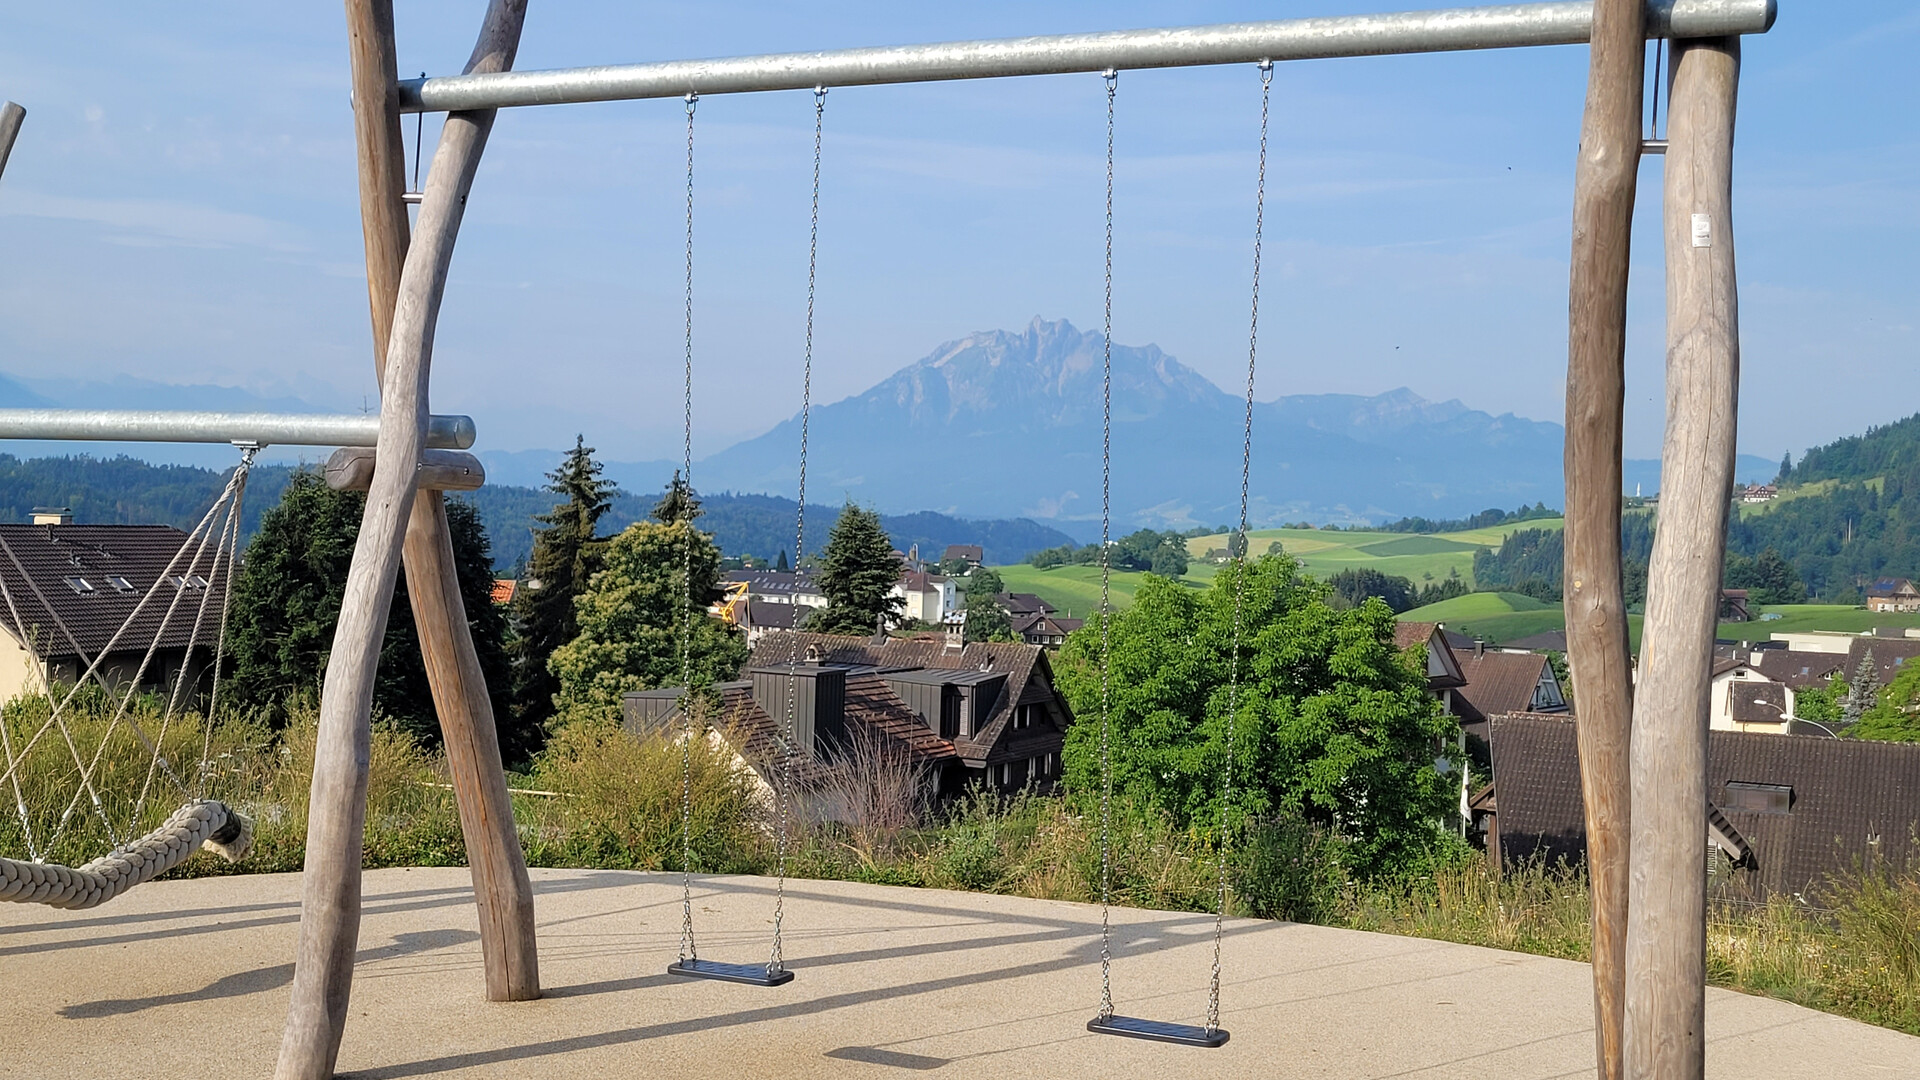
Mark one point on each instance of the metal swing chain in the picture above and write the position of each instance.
(226, 606)
(688, 950)
(1240, 560)
(1106, 579)
(776, 962)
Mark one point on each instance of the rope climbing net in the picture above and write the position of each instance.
(90, 763)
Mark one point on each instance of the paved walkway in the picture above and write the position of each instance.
(189, 979)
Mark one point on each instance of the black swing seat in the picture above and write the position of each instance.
(1157, 1031)
(756, 974)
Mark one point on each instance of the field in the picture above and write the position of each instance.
(1502, 617)
(1421, 558)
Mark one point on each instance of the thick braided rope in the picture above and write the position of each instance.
(201, 822)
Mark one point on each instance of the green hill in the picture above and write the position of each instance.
(1421, 559)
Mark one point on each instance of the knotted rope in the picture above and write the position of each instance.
(201, 823)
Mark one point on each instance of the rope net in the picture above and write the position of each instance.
(108, 748)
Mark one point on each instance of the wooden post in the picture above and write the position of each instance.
(330, 899)
(1596, 610)
(1666, 928)
(11, 116)
(501, 888)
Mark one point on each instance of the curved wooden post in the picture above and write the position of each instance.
(500, 885)
(330, 900)
(1596, 609)
(1666, 927)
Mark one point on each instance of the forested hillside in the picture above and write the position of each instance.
(127, 491)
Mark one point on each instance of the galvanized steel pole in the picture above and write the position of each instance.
(1503, 27)
(264, 429)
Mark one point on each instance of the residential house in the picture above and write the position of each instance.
(1744, 698)
(1017, 604)
(1893, 594)
(1784, 811)
(1759, 493)
(927, 598)
(1889, 654)
(70, 588)
(504, 590)
(1800, 669)
(996, 702)
(1045, 629)
(778, 586)
(1501, 681)
(1444, 676)
(971, 554)
(1733, 606)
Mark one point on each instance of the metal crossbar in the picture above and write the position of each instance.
(1452, 30)
(258, 429)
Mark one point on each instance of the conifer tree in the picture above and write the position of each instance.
(858, 570)
(781, 563)
(565, 555)
(1862, 693)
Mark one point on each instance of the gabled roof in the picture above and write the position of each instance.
(98, 555)
(504, 589)
(1758, 703)
(920, 581)
(1892, 587)
(1797, 667)
(1018, 661)
(1039, 622)
(968, 552)
(1442, 665)
(766, 614)
(1498, 682)
(1545, 641)
(774, 582)
(1023, 603)
(1888, 654)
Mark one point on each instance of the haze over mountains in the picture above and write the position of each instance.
(1003, 424)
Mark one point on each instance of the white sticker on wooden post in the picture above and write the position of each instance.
(1702, 230)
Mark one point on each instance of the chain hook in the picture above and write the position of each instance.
(693, 98)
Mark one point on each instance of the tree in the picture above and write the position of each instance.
(1786, 468)
(632, 615)
(287, 599)
(1768, 577)
(781, 565)
(1863, 691)
(1353, 586)
(679, 503)
(986, 619)
(1895, 717)
(857, 573)
(565, 554)
(1334, 727)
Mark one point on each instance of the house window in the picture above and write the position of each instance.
(191, 581)
(80, 585)
(1758, 798)
(121, 584)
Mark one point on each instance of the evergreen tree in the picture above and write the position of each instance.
(565, 554)
(858, 570)
(1786, 468)
(287, 599)
(1863, 693)
(630, 617)
(678, 504)
(781, 564)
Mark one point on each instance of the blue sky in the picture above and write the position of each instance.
(181, 207)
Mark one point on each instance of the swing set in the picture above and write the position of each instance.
(406, 458)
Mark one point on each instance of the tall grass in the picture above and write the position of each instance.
(602, 797)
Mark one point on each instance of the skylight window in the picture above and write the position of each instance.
(121, 584)
(1758, 798)
(80, 585)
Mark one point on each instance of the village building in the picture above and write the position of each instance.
(70, 588)
(1893, 594)
(776, 587)
(971, 554)
(926, 598)
(966, 714)
(1784, 813)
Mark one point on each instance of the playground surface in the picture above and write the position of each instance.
(190, 979)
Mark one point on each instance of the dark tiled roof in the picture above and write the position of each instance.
(1498, 682)
(969, 552)
(776, 582)
(765, 614)
(1754, 702)
(1850, 797)
(1018, 661)
(1547, 641)
(1442, 663)
(1798, 668)
(1023, 603)
(1888, 654)
(139, 554)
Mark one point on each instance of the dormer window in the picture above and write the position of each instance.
(80, 585)
(1758, 798)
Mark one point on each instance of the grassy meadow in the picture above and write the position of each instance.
(1501, 617)
(1420, 558)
